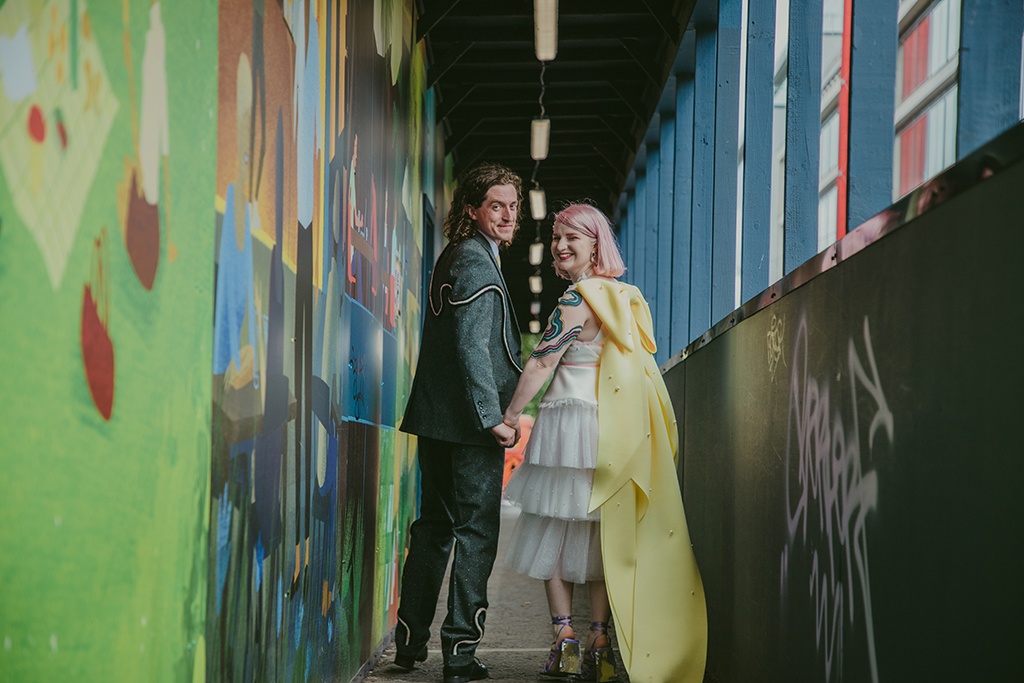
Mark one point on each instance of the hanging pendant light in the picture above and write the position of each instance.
(545, 29)
(538, 204)
(536, 253)
(540, 132)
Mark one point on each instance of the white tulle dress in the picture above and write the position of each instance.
(554, 536)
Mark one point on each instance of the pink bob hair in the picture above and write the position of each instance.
(592, 223)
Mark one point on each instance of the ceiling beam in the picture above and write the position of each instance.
(523, 32)
(467, 74)
(451, 57)
(458, 136)
(633, 47)
(452, 99)
(432, 17)
(666, 21)
(630, 99)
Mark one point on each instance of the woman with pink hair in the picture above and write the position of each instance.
(597, 486)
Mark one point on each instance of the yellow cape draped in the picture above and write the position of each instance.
(654, 584)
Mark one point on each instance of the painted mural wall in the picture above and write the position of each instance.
(321, 159)
(107, 160)
(212, 239)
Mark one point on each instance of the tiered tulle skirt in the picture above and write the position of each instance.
(555, 537)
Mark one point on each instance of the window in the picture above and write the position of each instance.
(828, 156)
(776, 236)
(833, 111)
(928, 144)
(741, 152)
(926, 78)
(828, 173)
(831, 39)
(827, 212)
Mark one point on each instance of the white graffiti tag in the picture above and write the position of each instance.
(830, 471)
(775, 339)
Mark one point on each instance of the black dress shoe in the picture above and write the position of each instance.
(464, 674)
(408, 661)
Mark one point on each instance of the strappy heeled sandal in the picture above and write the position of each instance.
(599, 661)
(564, 658)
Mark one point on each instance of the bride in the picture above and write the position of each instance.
(598, 489)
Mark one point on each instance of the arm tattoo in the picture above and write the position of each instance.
(571, 298)
(555, 338)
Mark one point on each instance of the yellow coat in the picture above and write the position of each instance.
(654, 584)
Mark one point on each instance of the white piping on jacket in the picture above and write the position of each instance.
(474, 297)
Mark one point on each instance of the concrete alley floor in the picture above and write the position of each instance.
(517, 636)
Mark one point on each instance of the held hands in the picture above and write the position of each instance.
(507, 432)
(505, 435)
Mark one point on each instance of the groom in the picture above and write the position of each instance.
(467, 372)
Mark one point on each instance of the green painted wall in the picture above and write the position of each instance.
(102, 545)
(211, 257)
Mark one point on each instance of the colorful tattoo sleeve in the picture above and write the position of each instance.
(556, 337)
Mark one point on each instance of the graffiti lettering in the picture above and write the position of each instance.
(775, 339)
(831, 470)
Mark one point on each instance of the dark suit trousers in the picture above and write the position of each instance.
(460, 504)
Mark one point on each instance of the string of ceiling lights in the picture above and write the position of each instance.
(545, 34)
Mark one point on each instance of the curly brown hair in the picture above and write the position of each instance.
(471, 190)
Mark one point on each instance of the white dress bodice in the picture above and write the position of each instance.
(576, 374)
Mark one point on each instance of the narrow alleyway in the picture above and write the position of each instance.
(518, 636)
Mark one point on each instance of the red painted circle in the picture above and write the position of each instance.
(36, 124)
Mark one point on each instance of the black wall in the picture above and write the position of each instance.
(853, 466)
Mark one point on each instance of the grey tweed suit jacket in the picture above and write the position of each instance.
(469, 361)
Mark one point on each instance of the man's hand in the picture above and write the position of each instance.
(505, 436)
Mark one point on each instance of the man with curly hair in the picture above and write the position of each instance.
(466, 375)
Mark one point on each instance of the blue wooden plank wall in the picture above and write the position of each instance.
(626, 231)
(723, 252)
(990, 66)
(757, 164)
(703, 181)
(872, 108)
(639, 227)
(678, 221)
(623, 228)
(649, 286)
(803, 129)
(679, 330)
(662, 312)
